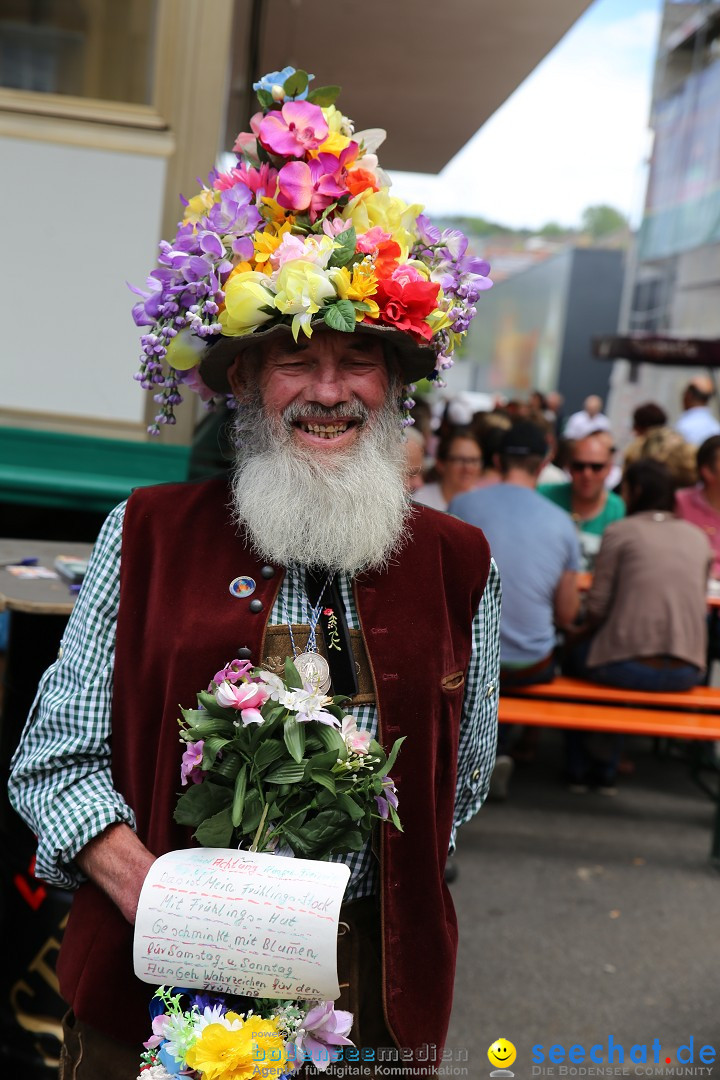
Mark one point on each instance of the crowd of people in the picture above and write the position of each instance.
(606, 558)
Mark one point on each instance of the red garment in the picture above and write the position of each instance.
(178, 623)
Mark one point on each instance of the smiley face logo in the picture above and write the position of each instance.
(502, 1053)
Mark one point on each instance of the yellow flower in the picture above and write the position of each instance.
(221, 1054)
(245, 294)
(336, 122)
(301, 290)
(199, 205)
(184, 350)
(371, 208)
(360, 286)
(334, 144)
(273, 212)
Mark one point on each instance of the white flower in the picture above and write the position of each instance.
(356, 740)
(155, 1072)
(309, 704)
(277, 686)
(215, 1015)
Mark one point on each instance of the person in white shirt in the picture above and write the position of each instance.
(697, 423)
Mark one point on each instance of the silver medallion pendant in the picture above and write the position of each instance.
(314, 669)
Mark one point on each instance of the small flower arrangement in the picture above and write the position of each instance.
(207, 1037)
(303, 228)
(271, 763)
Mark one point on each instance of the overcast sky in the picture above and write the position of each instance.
(574, 134)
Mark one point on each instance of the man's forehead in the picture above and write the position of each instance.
(332, 343)
(593, 448)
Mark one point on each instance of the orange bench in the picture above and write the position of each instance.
(573, 703)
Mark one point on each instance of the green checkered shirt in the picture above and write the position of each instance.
(61, 781)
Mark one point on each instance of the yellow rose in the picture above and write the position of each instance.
(379, 208)
(301, 290)
(245, 294)
(334, 144)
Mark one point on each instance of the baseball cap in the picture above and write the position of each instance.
(523, 439)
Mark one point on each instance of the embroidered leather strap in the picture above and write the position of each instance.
(278, 646)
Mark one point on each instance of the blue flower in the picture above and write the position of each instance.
(277, 78)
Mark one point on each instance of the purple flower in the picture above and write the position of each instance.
(191, 765)
(389, 799)
(323, 1028)
(234, 212)
(233, 672)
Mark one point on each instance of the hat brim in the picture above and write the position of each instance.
(416, 361)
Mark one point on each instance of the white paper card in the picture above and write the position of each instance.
(241, 923)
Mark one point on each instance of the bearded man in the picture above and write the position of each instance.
(315, 512)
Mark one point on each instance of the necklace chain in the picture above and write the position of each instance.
(314, 616)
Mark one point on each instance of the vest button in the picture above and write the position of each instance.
(256, 606)
(268, 571)
(244, 653)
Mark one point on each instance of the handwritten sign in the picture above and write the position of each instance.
(241, 923)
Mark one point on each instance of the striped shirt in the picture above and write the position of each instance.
(61, 782)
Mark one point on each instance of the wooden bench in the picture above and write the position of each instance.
(574, 703)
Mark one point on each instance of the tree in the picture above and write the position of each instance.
(602, 221)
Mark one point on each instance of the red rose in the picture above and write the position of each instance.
(407, 306)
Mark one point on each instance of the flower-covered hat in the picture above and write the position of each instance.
(302, 231)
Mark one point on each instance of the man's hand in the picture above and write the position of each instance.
(118, 863)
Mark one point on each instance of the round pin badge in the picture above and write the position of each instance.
(240, 587)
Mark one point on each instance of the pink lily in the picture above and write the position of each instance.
(246, 698)
(355, 739)
(297, 128)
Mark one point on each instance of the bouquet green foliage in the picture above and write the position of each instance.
(273, 763)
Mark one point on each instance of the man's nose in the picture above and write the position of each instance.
(328, 387)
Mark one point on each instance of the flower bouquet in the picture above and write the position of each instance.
(274, 764)
(271, 764)
(204, 1036)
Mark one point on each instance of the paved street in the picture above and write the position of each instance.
(585, 916)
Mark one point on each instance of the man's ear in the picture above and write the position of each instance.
(237, 377)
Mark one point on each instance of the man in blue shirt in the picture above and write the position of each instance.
(536, 549)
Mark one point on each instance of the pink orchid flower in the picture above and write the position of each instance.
(313, 186)
(293, 131)
(191, 765)
(246, 698)
(233, 672)
(246, 142)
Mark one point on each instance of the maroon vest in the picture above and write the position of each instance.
(178, 624)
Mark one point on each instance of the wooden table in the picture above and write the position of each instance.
(37, 596)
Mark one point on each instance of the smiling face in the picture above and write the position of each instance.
(326, 388)
(502, 1053)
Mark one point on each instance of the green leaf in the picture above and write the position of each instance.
(330, 737)
(361, 305)
(394, 817)
(292, 675)
(238, 804)
(394, 753)
(288, 773)
(345, 244)
(325, 779)
(340, 316)
(269, 752)
(211, 706)
(201, 802)
(324, 95)
(252, 812)
(322, 761)
(297, 842)
(212, 747)
(295, 738)
(350, 807)
(229, 767)
(216, 831)
(265, 98)
(296, 83)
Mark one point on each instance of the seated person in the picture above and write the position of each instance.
(701, 505)
(584, 496)
(458, 467)
(647, 604)
(536, 550)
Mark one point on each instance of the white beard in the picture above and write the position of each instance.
(344, 511)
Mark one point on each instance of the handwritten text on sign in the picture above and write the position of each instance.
(240, 923)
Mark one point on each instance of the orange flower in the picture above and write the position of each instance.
(360, 180)
(386, 260)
